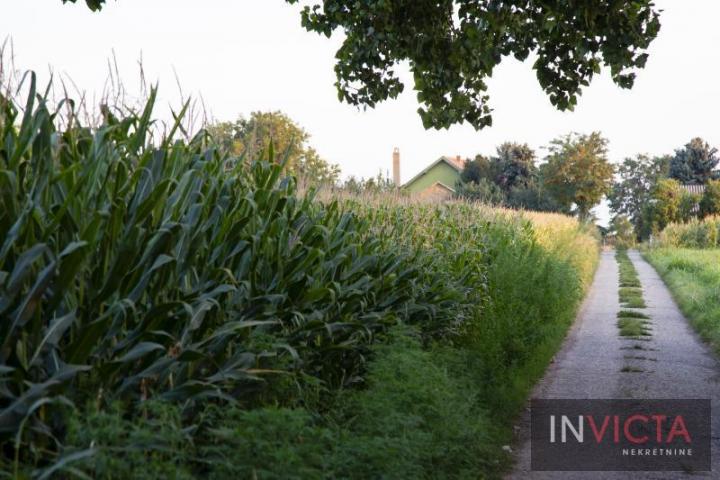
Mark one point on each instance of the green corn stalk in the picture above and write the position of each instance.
(132, 270)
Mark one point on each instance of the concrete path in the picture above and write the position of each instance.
(589, 364)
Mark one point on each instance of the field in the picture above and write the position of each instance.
(169, 311)
(693, 276)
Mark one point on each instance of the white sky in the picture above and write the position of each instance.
(246, 55)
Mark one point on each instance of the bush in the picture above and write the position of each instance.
(483, 191)
(666, 203)
(710, 202)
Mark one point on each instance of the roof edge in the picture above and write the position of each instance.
(429, 167)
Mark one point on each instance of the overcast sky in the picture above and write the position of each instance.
(247, 55)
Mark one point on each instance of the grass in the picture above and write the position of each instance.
(631, 323)
(631, 314)
(633, 327)
(630, 291)
(633, 302)
(696, 233)
(693, 277)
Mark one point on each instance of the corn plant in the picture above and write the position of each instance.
(133, 269)
(137, 269)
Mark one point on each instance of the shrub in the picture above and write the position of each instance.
(710, 202)
(666, 200)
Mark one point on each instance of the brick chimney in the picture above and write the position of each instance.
(396, 166)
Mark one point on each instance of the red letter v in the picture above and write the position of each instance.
(598, 435)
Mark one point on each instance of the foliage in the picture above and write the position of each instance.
(578, 172)
(251, 137)
(533, 197)
(167, 303)
(94, 5)
(443, 410)
(631, 191)
(509, 178)
(130, 270)
(693, 277)
(452, 48)
(693, 234)
(313, 170)
(513, 166)
(516, 166)
(156, 447)
(665, 204)
(695, 163)
(622, 228)
(421, 415)
(480, 168)
(374, 185)
(689, 205)
(710, 202)
(483, 191)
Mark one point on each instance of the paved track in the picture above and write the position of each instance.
(677, 364)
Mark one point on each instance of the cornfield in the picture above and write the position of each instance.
(135, 270)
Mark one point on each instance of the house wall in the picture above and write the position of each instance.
(434, 193)
(442, 172)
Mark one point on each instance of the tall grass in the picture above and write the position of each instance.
(160, 300)
(696, 233)
(693, 277)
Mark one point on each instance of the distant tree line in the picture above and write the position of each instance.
(651, 192)
(573, 178)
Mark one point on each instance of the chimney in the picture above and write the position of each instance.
(396, 166)
(459, 161)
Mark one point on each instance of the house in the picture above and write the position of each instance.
(436, 181)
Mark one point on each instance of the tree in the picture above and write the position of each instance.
(533, 197)
(253, 136)
(93, 5)
(577, 171)
(479, 168)
(453, 46)
(695, 163)
(290, 141)
(634, 182)
(622, 228)
(515, 165)
(665, 203)
(314, 170)
(512, 166)
(508, 178)
(483, 191)
(710, 202)
(378, 184)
